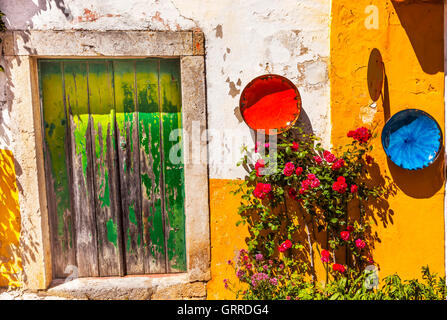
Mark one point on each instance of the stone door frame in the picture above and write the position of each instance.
(21, 49)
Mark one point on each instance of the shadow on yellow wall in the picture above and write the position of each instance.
(429, 180)
(424, 24)
(10, 261)
(409, 40)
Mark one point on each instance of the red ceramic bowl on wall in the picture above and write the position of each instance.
(270, 102)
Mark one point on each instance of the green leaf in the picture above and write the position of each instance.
(335, 296)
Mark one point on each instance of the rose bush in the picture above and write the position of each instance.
(307, 193)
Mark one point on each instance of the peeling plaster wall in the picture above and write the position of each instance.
(244, 39)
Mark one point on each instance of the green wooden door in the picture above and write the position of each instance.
(114, 180)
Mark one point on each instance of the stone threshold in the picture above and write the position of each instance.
(140, 287)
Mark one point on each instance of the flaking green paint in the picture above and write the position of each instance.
(149, 141)
(55, 139)
(173, 173)
(132, 216)
(112, 235)
(124, 84)
(104, 192)
(131, 80)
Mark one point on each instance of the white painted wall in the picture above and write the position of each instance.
(244, 39)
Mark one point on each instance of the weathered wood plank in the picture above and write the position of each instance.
(76, 92)
(106, 180)
(170, 95)
(129, 159)
(56, 151)
(126, 200)
(150, 165)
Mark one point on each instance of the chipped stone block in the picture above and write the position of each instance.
(195, 290)
(103, 43)
(198, 43)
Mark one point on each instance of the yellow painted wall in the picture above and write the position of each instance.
(411, 229)
(226, 238)
(409, 223)
(410, 40)
(10, 261)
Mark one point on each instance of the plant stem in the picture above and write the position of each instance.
(311, 250)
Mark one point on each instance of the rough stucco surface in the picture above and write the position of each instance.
(409, 220)
(243, 39)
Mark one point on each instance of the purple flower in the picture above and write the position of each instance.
(274, 281)
(258, 277)
(259, 257)
(240, 273)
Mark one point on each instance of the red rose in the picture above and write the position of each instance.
(359, 243)
(315, 183)
(349, 228)
(295, 146)
(338, 267)
(258, 193)
(338, 164)
(285, 245)
(262, 190)
(299, 171)
(305, 184)
(325, 256)
(289, 168)
(354, 188)
(267, 188)
(329, 157)
(318, 159)
(361, 134)
(258, 165)
(311, 176)
(345, 235)
(340, 187)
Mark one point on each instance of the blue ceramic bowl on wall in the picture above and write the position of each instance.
(412, 139)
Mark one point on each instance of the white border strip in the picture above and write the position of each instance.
(445, 136)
